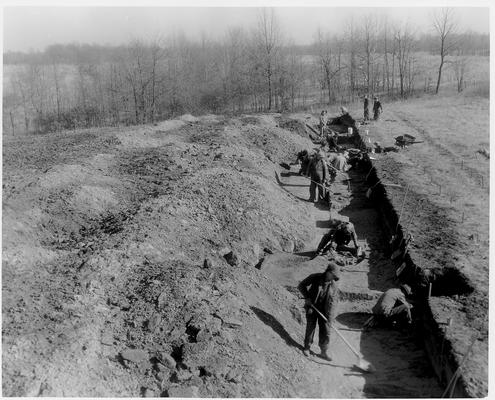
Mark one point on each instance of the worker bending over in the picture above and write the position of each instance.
(342, 236)
(392, 307)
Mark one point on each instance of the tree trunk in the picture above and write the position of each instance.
(269, 76)
(12, 123)
(439, 75)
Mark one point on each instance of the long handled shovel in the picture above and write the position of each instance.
(363, 365)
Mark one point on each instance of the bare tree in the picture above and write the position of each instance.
(369, 33)
(268, 42)
(404, 40)
(328, 62)
(54, 56)
(21, 87)
(460, 66)
(352, 63)
(234, 68)
(445, 26)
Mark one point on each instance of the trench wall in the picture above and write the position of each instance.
(437, 346)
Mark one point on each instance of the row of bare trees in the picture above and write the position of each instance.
(376, 56)
(246, 71)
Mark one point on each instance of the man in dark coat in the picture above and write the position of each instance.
(366, 109)
(377, 108)
(323, 295)
(318, 173)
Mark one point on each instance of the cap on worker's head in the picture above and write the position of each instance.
(332, 272)
(406, 289)
(343, 109)
(376, 98)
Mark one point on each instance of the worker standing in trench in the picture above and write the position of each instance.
(323, 295)
(377, 108)
(318, 173)
(366, 108)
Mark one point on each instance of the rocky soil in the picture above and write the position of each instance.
(162, 261)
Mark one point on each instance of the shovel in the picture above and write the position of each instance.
(363, 365)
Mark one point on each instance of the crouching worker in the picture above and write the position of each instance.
(392, 308)
(342, 236)
(303, 158)
(320, 291)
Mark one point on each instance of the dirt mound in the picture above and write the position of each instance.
(127, 259)
(294, 125)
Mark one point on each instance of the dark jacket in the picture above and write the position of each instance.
(317, 169)
(377, 106)
(323, 295)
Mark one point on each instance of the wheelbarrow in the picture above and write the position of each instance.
(405, 140)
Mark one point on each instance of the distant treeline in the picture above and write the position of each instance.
(81, 85)
(74, 53)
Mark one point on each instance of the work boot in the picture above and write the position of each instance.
(306, 352)
(324, 354)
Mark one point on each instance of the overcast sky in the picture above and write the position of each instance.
(27, 28)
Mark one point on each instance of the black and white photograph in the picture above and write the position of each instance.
(246, 199)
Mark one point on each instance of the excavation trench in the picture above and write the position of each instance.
(448, 281)
(402, 366)
(414, 364)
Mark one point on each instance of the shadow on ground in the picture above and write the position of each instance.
(277, 327)
(401, 365)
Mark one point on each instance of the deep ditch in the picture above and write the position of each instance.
(448, 283)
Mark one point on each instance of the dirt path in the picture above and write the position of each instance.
(402, 369)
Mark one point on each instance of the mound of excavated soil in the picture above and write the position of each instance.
(135, 276)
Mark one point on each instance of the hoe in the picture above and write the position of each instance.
(363, 365)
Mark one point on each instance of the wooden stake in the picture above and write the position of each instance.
(462, 164)
(429, 289)
(482, 181)
(463, 216)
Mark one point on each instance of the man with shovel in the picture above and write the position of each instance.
(322, 295)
